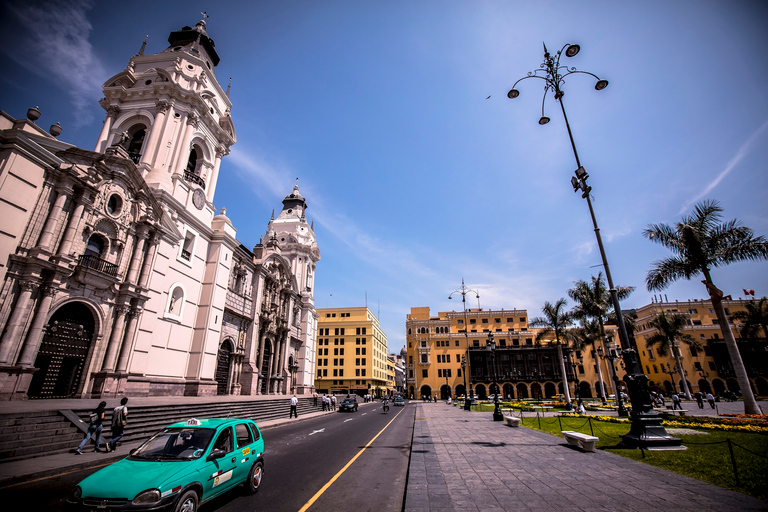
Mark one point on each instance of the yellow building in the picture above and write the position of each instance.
(351, 353)
(438, 348)
(707, 368)
(391, 387)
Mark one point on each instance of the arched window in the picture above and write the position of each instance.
(95, 246)
(194, 164)
(134, 146)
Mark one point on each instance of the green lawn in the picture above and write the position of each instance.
(707, 457)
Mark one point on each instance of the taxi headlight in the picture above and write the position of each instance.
(147, 497)
(76, 494)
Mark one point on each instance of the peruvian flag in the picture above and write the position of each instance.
(748, 292)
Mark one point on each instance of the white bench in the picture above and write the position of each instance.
(681, 412)
(583, 441)
(512, 421)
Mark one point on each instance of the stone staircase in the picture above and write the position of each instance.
(36, 434)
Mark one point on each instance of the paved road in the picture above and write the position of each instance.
(301, 459)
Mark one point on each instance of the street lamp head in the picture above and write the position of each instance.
(572, 50)
(600, 351)
(601, 84)
(513, 93)
(544, 120)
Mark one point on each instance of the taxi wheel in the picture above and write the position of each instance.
(187, 502)
(254, 478)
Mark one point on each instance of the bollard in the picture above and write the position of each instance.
(590, 426)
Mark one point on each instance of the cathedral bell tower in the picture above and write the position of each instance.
(171, 115)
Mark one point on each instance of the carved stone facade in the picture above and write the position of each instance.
(116, 275)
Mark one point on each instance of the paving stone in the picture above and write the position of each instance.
(464, 461)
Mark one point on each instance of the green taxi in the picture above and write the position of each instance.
(179, 468)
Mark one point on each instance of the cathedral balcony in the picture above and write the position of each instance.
(194, 178)
(95, 272)
(92, 262)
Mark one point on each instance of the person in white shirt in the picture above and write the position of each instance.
(294, 403)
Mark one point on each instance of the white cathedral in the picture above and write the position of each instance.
(117, 275)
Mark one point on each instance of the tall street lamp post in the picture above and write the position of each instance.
(464, 374)
(646, 429)
(463, 291)
(490, 345)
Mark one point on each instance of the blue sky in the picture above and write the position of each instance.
(413, 178)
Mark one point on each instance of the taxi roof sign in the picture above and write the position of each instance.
(192, 422)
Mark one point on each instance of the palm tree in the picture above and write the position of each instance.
(670, 330)
(580, 338)
(555, 321)
(593, 300)
(699, 243)
(755, 318)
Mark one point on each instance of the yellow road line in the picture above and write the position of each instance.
(342, 470)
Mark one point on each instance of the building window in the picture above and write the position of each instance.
(335, 373)
(439, 373)
(424, 374)
(485, 320)
(325, 373)
(188, 247)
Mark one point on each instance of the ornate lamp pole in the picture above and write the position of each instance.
(646, 427)
(671, 372)
(490, 346)
(464, 374)
(463, 291)
(612, 357)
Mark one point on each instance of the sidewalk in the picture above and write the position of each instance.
(464, 461)
(39, 467)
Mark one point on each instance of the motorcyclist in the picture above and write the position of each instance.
(386, 405)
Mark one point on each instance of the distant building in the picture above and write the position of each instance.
(116, 274)
(351, 352)
(709, 367)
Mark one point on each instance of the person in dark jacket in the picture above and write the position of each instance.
(95, 427)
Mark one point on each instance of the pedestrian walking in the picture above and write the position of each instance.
(333, 402)
(676, 402)
(119, 421)
(294, 404)
(700, 399)
(95, 426)
(314, 398)
(711, 400)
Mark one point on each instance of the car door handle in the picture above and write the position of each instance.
(234, 459)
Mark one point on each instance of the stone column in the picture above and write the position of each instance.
(185, 148)
(138, 254)
(220, 152)
(149, 256)
(118, 328)
(52, 221)
(260, 360)
(35, 335)
(154, 133)
(127, 345)
(17, 321)
(72, 224)
(101, 143)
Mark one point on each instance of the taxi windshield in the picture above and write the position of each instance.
(175, 444)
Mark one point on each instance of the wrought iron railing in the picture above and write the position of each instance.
(194, 178)
(96, 263)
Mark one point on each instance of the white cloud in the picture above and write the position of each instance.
(740, 154)
(52, 41)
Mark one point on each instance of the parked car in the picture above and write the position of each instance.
(348, 404)
(181, 467)
(398, 401)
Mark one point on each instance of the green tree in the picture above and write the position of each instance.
(580, 339)
(593, 301)
(754, 318)
(701, 242)
(555, 321)
(670, 331)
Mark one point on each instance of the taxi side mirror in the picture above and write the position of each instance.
(216, 454)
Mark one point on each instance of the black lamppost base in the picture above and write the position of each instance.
(497, 416)
(647, 432)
